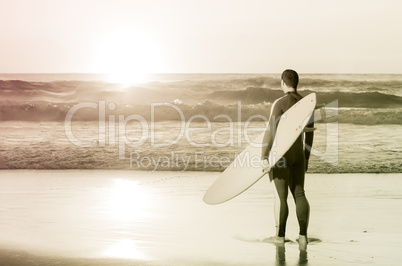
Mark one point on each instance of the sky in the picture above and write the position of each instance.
(191, 36)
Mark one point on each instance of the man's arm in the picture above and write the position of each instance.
(309, 140)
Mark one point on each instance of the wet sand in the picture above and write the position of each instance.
(94, 217)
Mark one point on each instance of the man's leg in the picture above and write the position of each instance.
(281, 209)
(296, 185)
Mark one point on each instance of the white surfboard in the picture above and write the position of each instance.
(248, 168)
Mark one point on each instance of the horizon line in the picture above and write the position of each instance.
(205, 73)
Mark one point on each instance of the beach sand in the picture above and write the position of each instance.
(94, 217)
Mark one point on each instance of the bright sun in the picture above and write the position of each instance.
(127, 56)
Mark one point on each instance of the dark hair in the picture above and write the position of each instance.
(290, 78)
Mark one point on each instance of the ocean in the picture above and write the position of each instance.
(197, 122)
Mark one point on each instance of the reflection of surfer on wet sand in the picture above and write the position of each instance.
(281, 256)
(289, 172)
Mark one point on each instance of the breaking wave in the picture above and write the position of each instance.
(359, 102)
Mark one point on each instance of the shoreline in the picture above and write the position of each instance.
(185, 171)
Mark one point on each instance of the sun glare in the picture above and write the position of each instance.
(127, 78)
(127, 56)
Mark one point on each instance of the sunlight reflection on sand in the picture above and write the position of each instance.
(125, 249)
(128, 201)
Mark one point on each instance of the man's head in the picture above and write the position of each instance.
(290, 78)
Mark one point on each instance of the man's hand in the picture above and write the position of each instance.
(266, 170)
(265, 166)
(309, 129)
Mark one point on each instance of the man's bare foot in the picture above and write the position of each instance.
(302, 242)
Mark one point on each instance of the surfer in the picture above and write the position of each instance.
(289, 172)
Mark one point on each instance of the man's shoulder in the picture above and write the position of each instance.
(278, 102)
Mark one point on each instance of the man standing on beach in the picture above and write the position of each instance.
(289, 172)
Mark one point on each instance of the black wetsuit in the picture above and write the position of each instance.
(290, 170)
